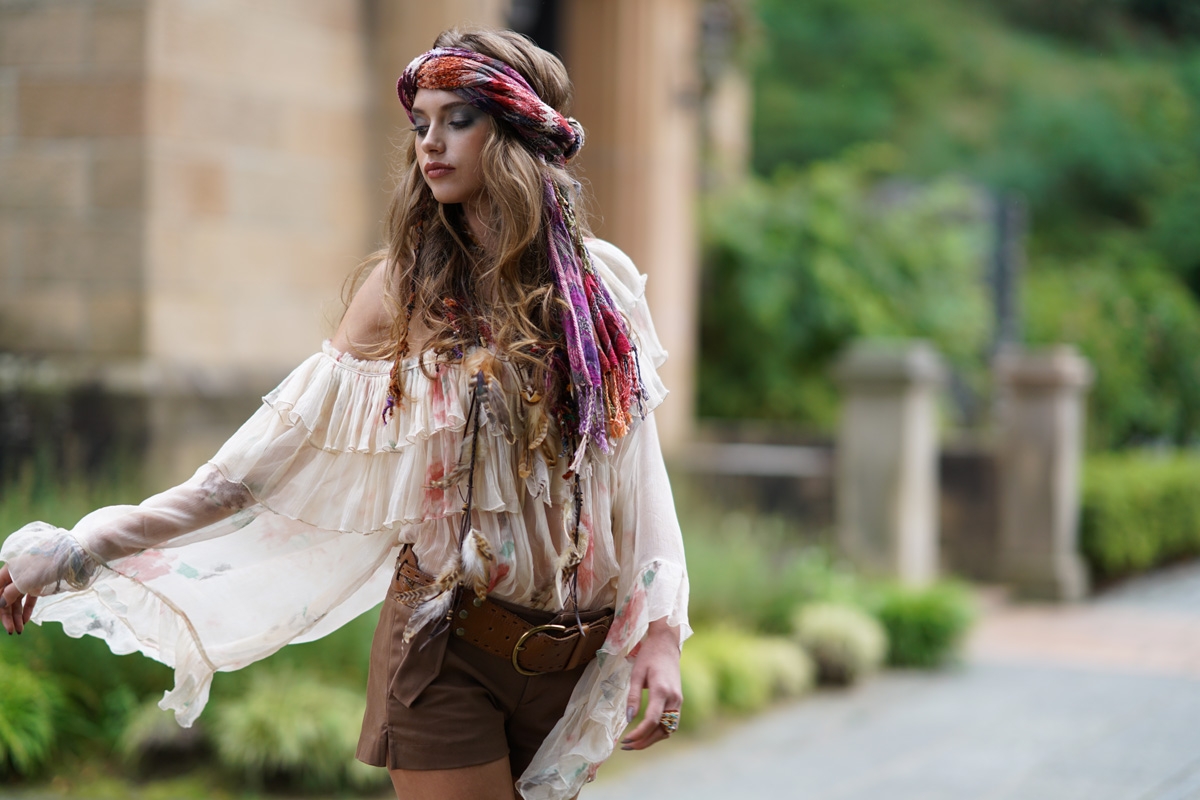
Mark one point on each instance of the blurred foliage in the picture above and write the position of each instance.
(95, 690)
(1109, 22)
(1088, 109)
(292, 729)
(28, 708)
(749, 670)
(752, 573)
(846, 642)
(1140, 510)
(151, 736)
(1139, 326)
(924, 626)
(698, 678)
(798, 266)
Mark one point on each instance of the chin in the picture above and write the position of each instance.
(446, 197)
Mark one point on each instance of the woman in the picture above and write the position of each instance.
(482, 417)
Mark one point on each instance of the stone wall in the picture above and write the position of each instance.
(72, 159)
(257, 178)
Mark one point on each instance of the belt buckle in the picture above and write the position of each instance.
(520, 645)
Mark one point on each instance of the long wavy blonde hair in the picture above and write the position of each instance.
(460, 292)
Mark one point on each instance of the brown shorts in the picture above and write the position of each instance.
(442, 703)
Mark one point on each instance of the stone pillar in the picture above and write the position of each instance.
(634, 65)
(887, 508)
(1041, 419)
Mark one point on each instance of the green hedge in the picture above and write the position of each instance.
(1139, 510)
(925, 626)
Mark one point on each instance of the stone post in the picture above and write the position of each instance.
(1041, 422)
(887, 505)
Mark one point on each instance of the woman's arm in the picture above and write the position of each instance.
(43, 559)
(653, 538)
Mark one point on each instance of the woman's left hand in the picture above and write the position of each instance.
(655, 668)
(15, 606)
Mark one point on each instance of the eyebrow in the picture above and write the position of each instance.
(446, 107)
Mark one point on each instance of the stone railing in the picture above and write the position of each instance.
(901, 503)
(887, 466)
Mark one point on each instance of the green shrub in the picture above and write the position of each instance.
(28, 706)
(1137, 325)
(845, 642)
(743, 685)
(293, 729)
(924, 626)
(151, 734)
(747, 670)
(792, 670)
(798, 266)
(1139, 510)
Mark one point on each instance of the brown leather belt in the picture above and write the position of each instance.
(555, 645)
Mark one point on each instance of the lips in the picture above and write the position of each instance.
(436, 169)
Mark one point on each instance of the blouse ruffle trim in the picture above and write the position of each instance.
(318, 450)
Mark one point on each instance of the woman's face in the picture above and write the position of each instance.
(449, 140)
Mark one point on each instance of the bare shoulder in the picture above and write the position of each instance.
(367, 322)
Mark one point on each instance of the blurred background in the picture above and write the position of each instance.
(929, 274)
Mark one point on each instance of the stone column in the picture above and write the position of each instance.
(887, 459)
(634, 65)
(1041, 423)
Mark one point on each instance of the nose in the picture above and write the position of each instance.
(431, 142)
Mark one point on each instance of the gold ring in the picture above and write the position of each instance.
(669, 721)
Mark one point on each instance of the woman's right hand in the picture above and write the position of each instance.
(15, 607)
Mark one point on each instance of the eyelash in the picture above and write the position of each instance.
(456, 124)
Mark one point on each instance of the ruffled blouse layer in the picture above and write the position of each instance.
(331, 491)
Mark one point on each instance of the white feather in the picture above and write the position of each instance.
(477, 561)
(433, 609)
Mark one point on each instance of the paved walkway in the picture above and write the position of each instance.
(1099, 701)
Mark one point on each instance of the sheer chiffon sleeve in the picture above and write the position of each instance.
(262, 547)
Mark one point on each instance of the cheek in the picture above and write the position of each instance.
(475, 146)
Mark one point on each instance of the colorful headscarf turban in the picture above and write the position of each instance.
(603, 362)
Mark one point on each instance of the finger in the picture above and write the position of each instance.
(653, 735)
(655, 705)
(633, 701)
(662, 698)
(30, 601)
(10, 607)
(18, 614)
(647, 726)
